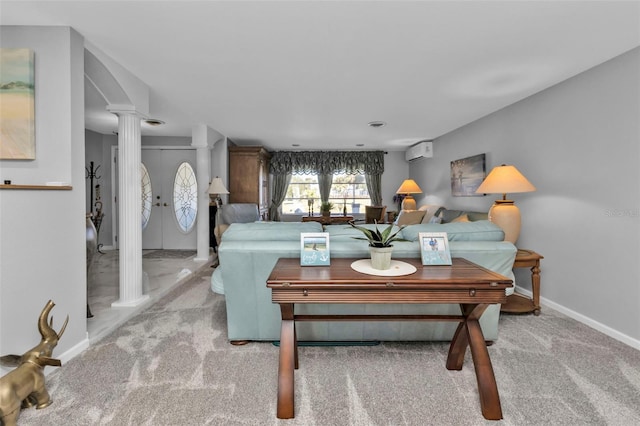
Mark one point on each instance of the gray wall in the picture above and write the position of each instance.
(578, 143)
(396, 170)
(42, 249)
(220, 164)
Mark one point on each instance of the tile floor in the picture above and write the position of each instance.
(163, 270)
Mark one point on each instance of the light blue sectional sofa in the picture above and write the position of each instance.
(249, 251)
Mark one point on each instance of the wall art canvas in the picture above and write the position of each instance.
(17, 105)
(466, 175)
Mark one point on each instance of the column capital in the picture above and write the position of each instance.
(124, 109)
(200, 144)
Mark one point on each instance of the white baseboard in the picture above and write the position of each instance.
(627, 340)
(71, 353)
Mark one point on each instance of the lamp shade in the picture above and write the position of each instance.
(217, 187)
(505, 179)
(409, 186)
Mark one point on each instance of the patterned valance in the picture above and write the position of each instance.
(327, 162)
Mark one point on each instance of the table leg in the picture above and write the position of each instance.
(487, 387)
(535, 287)
(458, 348)
(295, 347)
(470, 334)
(459, 343)
(287, 363)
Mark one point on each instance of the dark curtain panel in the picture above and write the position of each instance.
(325, 180)
(374, 186)
(279, 192)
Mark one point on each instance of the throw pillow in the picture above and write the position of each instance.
(430, 210)
(449, 215)
(461, 218)
(410, 217)
(474, 216)
(435, 219)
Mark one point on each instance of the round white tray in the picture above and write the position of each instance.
(397, 268)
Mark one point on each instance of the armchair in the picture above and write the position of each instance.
(232, 213)
(373, 214)
(236, 213)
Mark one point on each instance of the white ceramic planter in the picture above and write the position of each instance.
(381, 257)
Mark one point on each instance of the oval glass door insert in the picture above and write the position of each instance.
(185, 197)
(146, 195)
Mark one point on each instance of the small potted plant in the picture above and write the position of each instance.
(380, 245)
(325, 208)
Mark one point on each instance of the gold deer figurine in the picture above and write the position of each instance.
(24, 386)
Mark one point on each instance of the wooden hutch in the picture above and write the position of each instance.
(249, 177)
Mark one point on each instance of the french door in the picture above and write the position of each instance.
(169, 199)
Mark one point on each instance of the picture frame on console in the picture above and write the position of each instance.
(467, 174)
(314, 249)
(434, 248)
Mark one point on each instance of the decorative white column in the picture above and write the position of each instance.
(129, 206)
(199, 140)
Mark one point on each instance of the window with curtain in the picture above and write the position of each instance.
(302, 189)
(348, 191)
(348, 179)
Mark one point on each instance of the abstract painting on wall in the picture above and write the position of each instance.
(466, 175)
(17, 105)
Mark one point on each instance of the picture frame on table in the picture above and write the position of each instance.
(314, 249)
(434, 248)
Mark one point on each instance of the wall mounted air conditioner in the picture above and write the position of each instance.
(422, 149)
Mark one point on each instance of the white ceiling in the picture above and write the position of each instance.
(315, 73)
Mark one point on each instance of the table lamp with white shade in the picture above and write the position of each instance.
(504, 213)
(216, 187)
(408, 187)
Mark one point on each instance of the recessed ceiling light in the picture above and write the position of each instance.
(154, 122)
(376, 124)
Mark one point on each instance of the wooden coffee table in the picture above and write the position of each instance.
(464, 283)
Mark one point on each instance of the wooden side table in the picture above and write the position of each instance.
(518, 303)
(328, 220)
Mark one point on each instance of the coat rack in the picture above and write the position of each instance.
(91, 173)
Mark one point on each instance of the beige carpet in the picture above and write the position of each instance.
(172, 365)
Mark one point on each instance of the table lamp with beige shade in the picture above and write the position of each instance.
(504, 213)
(408, 187)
